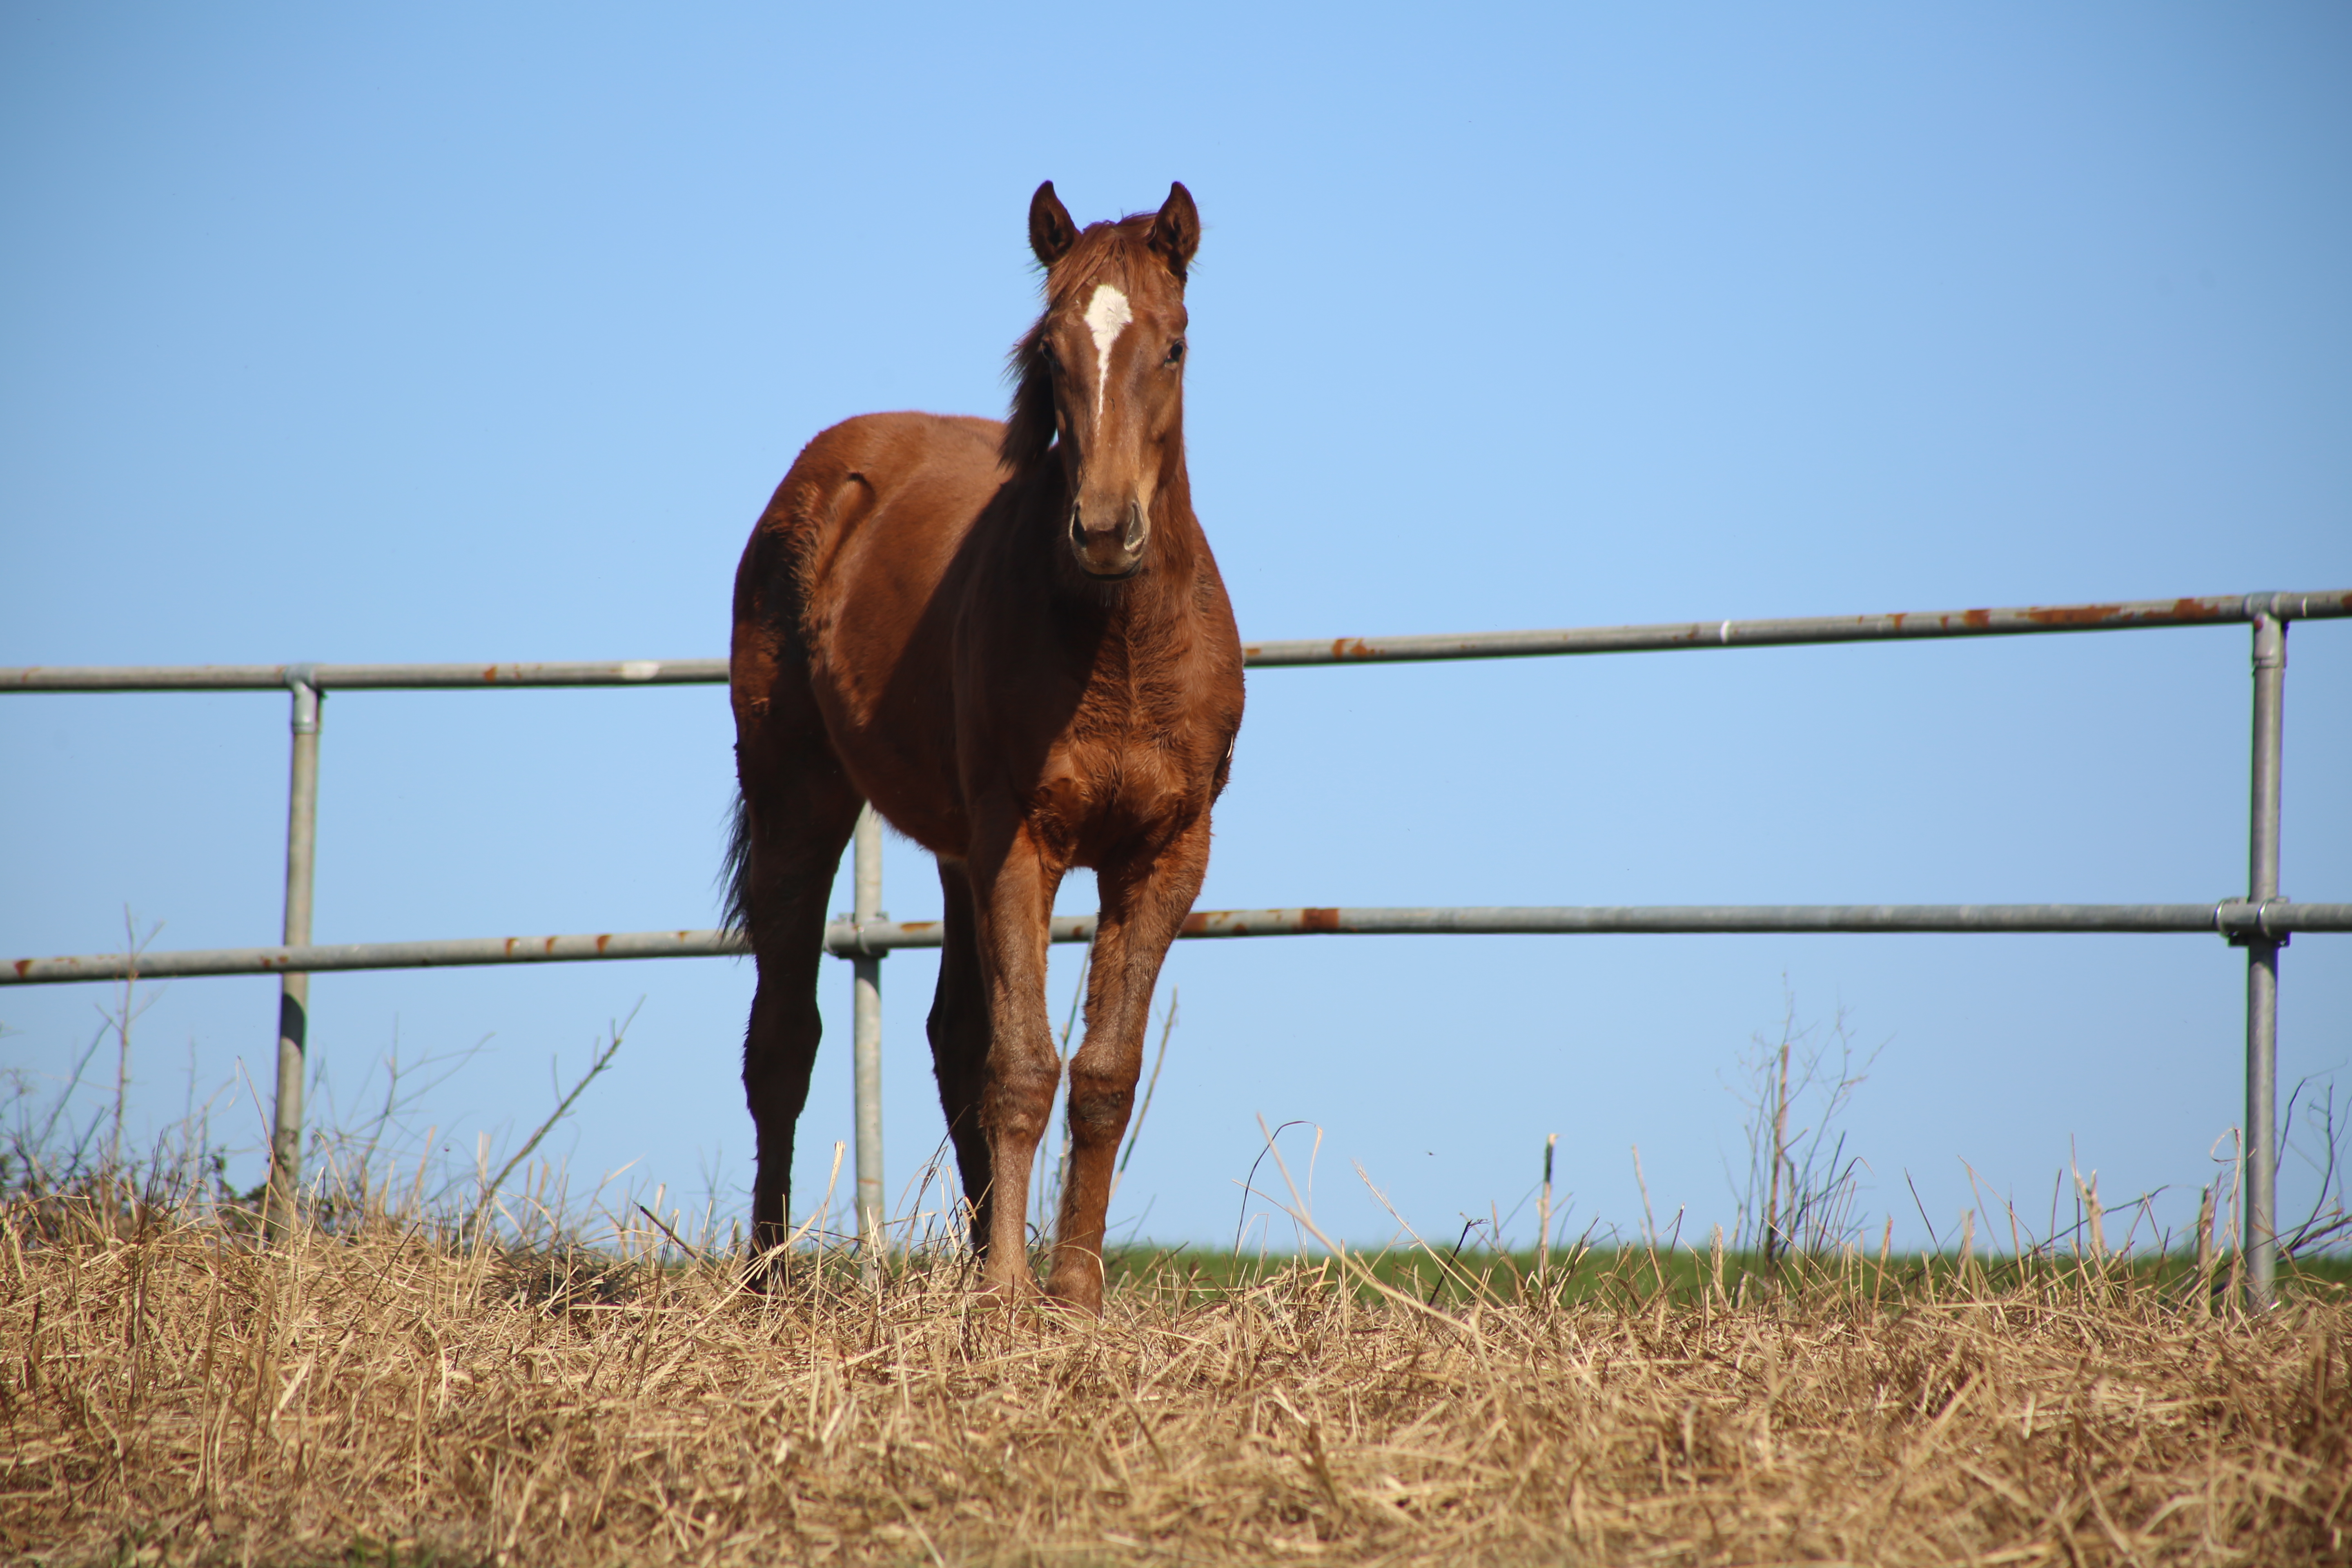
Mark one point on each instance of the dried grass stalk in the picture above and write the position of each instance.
(173, 1394)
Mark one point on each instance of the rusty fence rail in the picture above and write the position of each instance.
(2212, 609)
(2262, 921)
(2231, 918)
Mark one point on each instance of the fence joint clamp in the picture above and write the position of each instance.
(302, 681)
(2242, 923)
(845, 936)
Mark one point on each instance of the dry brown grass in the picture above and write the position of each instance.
(174, 1394)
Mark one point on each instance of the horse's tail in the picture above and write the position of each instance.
(735, 873)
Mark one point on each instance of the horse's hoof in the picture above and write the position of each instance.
(763, 1276)
(1018, 1292)
(1083, 1295)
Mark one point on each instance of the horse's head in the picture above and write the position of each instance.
(1101, 375)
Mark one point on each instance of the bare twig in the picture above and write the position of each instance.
(564, 1108)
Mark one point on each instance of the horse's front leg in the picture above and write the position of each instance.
(1012, 898)
(1145, 898)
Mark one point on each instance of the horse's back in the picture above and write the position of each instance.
(840, 586)
(882, 496)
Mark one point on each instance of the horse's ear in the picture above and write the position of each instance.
(1176, 232)
(1051, 232)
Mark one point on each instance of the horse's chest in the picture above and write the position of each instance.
(1114, 774)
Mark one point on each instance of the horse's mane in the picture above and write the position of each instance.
(1105, 252)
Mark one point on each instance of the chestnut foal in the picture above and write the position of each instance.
(1012, 640)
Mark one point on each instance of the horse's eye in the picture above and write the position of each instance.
(1176, 351)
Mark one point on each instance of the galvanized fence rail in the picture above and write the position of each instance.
(2261, 922)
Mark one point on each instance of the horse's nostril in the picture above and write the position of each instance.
(1101, 535)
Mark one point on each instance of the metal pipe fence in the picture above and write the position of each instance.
(875, 938)
(2261, 922)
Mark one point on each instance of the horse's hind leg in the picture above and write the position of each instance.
(799, 809)
(959, 1032)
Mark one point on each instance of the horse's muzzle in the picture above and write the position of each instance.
(1114, 548)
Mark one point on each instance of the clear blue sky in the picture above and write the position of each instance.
(453, 334)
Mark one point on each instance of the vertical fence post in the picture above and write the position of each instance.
(867, 1047)
(2261, 971)
(293, 989)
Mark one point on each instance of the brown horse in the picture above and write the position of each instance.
(1012, 640)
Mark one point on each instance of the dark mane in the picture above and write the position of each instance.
(1106, 252)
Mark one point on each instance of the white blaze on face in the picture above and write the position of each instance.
(1106, 314)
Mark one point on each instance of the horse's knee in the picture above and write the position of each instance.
(1017, 1101)
(779, 1049)
(1099, 1106)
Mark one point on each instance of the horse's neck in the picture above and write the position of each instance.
(1183, 547)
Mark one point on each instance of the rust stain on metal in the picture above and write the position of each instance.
(1980, 619)
(23, 967)
(2195, 610)
(1321, 920)
(2072, 614)
(549, 945)
(603, 939)
(509, 949)
(1350, 647)
(491, 675)
(1195, 924)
